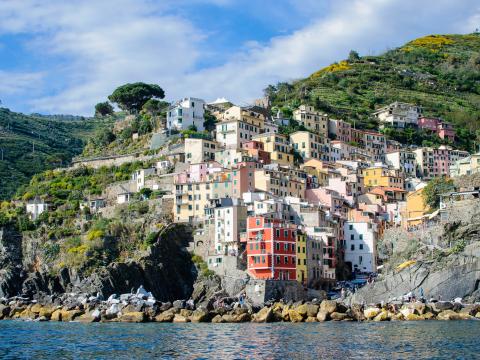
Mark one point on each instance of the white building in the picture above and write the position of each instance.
(233, 133)
(403, 160)
(199, 150)
(230, 219)
(35, 208)
(185, 113)
(139, 177)
(123, 198)
(399, 115)
(360, 245)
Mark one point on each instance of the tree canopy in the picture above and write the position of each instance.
(132, 97)
(435, 187)
(103, 109)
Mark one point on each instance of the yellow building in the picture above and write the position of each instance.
(311, 119)
(278, 146)
(310, 146)
(301, 258)
(321, 170)
(280, 183)
(415, 209)
(382, 176)
(248, 115)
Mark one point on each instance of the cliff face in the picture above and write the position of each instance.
(446, 255)
(165, 269)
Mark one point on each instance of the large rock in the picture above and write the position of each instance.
(441, 306)
(328, 306)
(4, 311)
(307, 310)
(180, 319)
(371, 312)
(337, 316)
(132, 317)
(264, 315)
(295, 316)
(199, 316)
(70, 315)
(357, 312)
(166, 316)
(448, 315)
(323, 316)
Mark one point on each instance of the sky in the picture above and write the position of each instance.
(62, 57)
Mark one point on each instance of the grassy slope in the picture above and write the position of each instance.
(440, 73)
(55, 144)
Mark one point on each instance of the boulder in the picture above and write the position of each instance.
(413, 317)
(56, 315)
(180, 318)
(440, 306)
(311, 319)
(470, 309)
(264, 315)
(428, 316)
(337, 316)
(323, 316)
(243, 317)
(165, 306)
(382, 316)
(294, 315)
(371, 312)
(308, 310)
(185, 313)
(328, 306)
(4, 311)
(86, 318)
(179, 304)
(229, 318)
(70, 315)
(166, 316)
(218, 319)
(418, 307)
(357, 312)
(448, 315)
(199, 316)
(478, 315)
(132, 317)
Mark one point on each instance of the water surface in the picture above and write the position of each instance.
(331, 340)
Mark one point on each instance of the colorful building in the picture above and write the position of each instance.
(383, 176)
(271, 249)
(310, 146)
(302, 274)
(312, 120)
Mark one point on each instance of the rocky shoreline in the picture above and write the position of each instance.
(142, 307)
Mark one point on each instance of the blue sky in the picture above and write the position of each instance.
(61, 56)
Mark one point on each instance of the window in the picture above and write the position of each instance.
(277, 260)
(361, 236)
(352, 247)
(286, 259)
(350, 227)
(361, 246)
(277, 246)
(352, 237)
(257, 222)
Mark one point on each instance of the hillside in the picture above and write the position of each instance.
(439, 72)
(32, 144)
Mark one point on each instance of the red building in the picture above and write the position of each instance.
(443, 130)
(270, 248)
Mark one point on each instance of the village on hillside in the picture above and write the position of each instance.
(304, 209)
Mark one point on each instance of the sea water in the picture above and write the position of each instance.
(331, 340)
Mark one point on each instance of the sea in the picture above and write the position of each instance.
(330, 340)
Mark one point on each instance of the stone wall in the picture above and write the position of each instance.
(259, 291)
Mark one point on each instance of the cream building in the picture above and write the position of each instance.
(310, 146)
(278, 146)
(199, 150)
(311, 119)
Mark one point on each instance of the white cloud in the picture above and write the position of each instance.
(102, 44)
(15, 82)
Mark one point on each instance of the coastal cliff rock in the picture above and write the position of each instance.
(165, 268)
(441, 261)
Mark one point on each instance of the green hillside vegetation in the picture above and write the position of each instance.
(439, 72)
(32, 144)
(73, 237)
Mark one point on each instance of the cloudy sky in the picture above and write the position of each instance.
(60, 56)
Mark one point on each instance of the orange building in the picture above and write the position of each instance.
(271, 251)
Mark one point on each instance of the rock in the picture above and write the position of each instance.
(165, 306)
(285, 316)
(328, 306)
(382, 316)
(323, 316)
(470, 309)
(4, 311)
(336, 316)
(42, 318)
(142, 293)
(341, 308)
(56, 315)
(123, 298)
(185, 313)
(243, 317)
(371, 312)
(428, 316)
(448, 315)
(87, 318)
(308, 310)
(441, 306)
(180, 319)
(478, 315)
(166, 316)
(70, 315)
(397, 316)
(418, 307)
(357, 312)
(229, 318)
(264, 315)
(413, 317)
(295, 316)
(199, 316)
(311, 319)
(179, 304)
(114, 309)
(132, 317)
(218, 319)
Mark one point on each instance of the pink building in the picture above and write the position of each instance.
(442, 129)
(445, 131)
(340, 129)
(327, 198)
(198, 172)
(428, 123)
(256, 150)
(243, 177)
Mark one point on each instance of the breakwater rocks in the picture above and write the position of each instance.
(142, 307)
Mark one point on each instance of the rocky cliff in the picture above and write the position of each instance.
(165, 268)
(442, 260)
